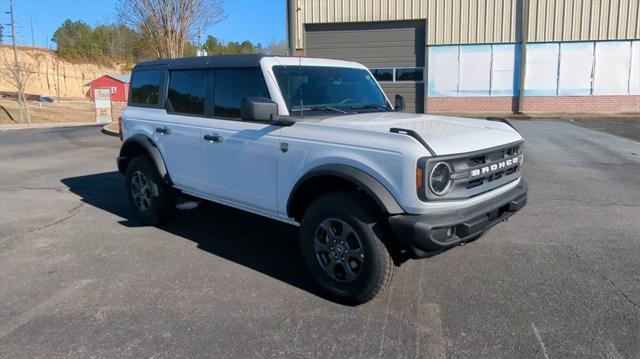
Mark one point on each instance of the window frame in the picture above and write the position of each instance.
(162, 87)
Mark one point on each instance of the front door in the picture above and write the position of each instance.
(240, 163)
(239, 157)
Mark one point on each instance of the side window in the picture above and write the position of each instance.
(187, 92)
(145, 87)
(234, 84)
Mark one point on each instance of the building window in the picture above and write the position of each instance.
(399, 74)
(383, 75)
(410, 74)
(187, 91)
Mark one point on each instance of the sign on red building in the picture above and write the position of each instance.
(117, 83)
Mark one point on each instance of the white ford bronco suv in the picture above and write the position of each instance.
(316, 143)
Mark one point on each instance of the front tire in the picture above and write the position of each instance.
(341, 242)
(153, 201)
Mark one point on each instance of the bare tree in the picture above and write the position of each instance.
(18, 75)
(170, 23)
(276, 48)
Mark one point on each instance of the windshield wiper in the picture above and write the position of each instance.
(361, 107)
(319, 108)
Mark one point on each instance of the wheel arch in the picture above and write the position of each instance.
(142, 145)
(328, 178)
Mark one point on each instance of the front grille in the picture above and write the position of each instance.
(478, 172)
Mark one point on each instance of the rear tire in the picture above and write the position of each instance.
(153, 201)
(341, 241)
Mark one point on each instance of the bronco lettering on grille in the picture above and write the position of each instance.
(494, 167)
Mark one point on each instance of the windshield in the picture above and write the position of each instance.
(329, 89)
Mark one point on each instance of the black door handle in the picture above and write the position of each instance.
(163, 130)
(214, 138)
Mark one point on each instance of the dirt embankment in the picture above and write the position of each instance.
(65, 111)
(49, 75)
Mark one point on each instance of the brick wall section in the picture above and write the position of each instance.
(554, 104)
(472, 104)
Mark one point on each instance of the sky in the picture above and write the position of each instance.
(261, 21)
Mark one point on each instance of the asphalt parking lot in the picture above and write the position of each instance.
(79, 278)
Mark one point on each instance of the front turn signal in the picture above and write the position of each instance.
(419, 178)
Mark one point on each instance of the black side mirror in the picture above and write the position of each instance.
(258, 109)
(399, 103)
(263, 110)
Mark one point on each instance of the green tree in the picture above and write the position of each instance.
(118, 43)
(77, 41)
(73, 40)
(213, 46)
(190, 49)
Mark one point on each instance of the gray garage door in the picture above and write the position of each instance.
(394, 51)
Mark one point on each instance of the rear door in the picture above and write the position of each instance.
(239, 157)
(179, 133)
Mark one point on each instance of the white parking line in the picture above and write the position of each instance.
(22, 319)
(612, 352)
(430, 340)
(539, 339)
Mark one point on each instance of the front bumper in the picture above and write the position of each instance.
(426, 235)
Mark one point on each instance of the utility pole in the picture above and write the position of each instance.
(1, 32)
(33, 39)
(18, 75)
(58, 77)
(199, 49)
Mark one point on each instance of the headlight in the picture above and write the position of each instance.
(440, 178)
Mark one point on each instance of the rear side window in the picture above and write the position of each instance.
(145, 87)
(187, 91)
(234, 84)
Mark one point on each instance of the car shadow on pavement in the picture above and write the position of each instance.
(267, 246)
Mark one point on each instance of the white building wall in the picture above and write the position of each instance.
(553, 69)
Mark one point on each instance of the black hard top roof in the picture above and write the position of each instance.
(245, 60)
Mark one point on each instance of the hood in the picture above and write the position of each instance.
(445, 135)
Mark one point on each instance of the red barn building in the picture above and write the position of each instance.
(118, 83)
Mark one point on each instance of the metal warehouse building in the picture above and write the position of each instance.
(483, 55)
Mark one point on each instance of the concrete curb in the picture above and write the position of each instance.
(109, 129)
(21, 126)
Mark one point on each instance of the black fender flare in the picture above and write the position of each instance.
(370, 185)
(131, 147)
